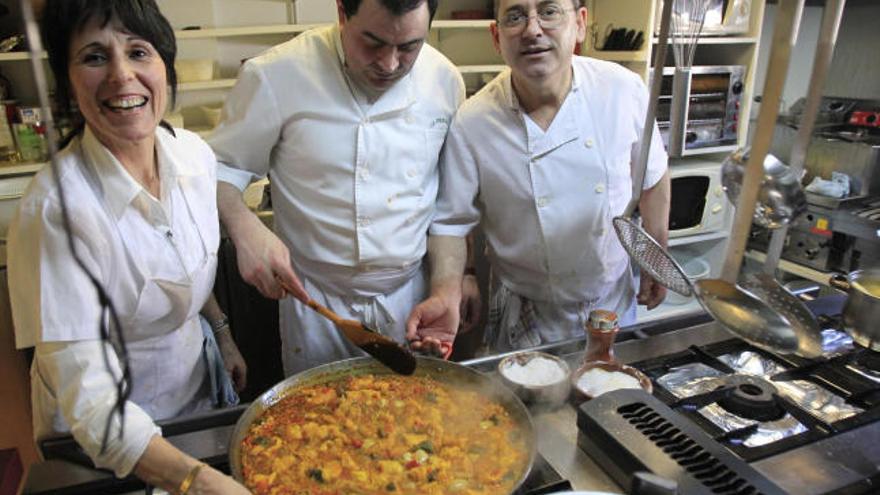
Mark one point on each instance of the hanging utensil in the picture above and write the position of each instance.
(641, 247)
(388, 352)
(782, 197)
(764, 285)
(740, 311)
(687, 24)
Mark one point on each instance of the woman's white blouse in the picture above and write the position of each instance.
(121, 234)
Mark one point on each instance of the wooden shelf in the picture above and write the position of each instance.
(21, 169)
(228, 83)
(793, 268)
(187, 34)
(691, 239)
(619, 56)
(724, 40)
(480, 69)
(11, 56)
(206, 85)
(461, 24)
(227, 32)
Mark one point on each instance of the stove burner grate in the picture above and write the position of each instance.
(751, 397)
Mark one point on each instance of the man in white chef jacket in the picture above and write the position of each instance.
(542, 158)
(348, 121)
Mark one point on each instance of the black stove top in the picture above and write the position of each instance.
(728, 418)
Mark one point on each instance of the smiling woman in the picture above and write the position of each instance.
(112, 254)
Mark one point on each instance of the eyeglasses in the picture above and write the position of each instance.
(549, 15)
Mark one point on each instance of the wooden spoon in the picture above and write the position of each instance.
(388, 352)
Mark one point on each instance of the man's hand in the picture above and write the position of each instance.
(263, 260)
(471, 304)
(232, 359)
(651, 293)
(433, 324)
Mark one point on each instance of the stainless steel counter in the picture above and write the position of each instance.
(557, 428)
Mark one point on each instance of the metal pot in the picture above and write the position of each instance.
(445, 372)
(862, 309)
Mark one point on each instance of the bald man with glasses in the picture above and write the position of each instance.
(541, 158)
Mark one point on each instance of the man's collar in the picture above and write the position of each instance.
(512, 99)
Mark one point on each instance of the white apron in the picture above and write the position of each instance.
(164, 339)
(518, 322)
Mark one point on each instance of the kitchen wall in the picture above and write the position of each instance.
(855, 70)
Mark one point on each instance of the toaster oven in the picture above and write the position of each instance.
(711, 108)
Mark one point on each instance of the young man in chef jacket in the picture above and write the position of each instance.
(541, 157)
(349, 121)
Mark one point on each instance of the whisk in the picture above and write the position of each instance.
(687, 24)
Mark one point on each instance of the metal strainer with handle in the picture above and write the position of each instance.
(641, 247)
(759, 313)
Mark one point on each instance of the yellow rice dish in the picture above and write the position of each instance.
(383, 434)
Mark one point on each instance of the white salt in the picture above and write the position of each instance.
(597, 381)
(537, 371)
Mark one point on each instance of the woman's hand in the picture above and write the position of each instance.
(210, 481)
(232, 359)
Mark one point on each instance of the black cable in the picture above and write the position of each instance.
(108, 309)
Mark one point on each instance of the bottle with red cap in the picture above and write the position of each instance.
(602, 328)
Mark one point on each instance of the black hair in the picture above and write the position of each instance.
(396, 7)
(62, 19)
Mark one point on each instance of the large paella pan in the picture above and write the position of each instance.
(355, 427)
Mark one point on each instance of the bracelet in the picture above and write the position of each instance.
(219, 325)
(470, 270)
(187, 482)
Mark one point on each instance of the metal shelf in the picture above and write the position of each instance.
(793, 268)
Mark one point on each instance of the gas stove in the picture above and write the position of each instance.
(728, 418)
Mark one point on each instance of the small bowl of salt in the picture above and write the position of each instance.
(598, 377)
(536, 377)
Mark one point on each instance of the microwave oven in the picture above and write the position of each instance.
(722, 18)
(712, 102)
(698, 204)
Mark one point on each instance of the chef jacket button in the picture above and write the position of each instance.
(411, 172)
(601, 232)
(542, 201)
(409, 119)
(600, 188)
(364, 222)
(535, 160)
(365, 173)
(588, 143)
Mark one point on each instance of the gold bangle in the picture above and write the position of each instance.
(187, 482)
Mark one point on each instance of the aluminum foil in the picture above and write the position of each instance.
(835, 342)
(697, 378)
(688, 380)
(813, 398)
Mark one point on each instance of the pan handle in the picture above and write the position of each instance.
(840, 282)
